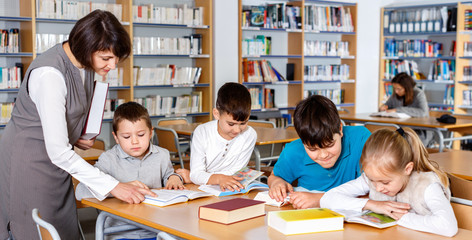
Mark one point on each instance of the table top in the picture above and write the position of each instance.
(264, 135)
(429, 122)
(182, 220)
(456, 162)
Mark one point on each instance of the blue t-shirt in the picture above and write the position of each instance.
(294, 163)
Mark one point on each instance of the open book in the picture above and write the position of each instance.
(264, 196)
(369, 218)
(168, 197)
(390, 114)
(248, 175)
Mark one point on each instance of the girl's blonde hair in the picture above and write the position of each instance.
(391, 151)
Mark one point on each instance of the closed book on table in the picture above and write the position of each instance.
(305, 221)
(232, 210)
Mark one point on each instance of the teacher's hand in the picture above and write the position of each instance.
(84, 144)
(130, 193)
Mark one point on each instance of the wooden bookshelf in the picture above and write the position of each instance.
(29, 25)
(432, 85)
(291, 43)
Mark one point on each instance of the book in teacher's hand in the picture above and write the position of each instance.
(302, 221)
(232, 210)
(93, 124)
(168, 197)
(369, 218)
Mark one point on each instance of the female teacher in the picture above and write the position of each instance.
(37, 159)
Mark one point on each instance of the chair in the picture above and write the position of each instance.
(167, 138)
(373, 126)
(461, 200)
(46, 231)
(184, 140)
(99, 144)
(264, 124)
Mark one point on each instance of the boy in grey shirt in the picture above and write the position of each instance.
(133, 159)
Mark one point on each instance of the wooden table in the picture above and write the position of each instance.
(455, 162)
(426, 123)
(265, 136)
(182, 220)
(91, 155)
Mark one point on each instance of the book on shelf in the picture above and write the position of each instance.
(168, 197)
(368, 218)
(302, 221)
(249, 175)
(93, 123)
(390, 114)
(264, 196)
(277, 15)
(232, 210)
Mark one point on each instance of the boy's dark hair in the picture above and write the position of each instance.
(234, 99)
(98, 31)
(408, 84)
(131, 111)
(316, 120)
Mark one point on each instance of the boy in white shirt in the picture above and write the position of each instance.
(223, 146)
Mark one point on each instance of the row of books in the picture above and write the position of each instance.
(467, 73)
(468, 20)
(274, 15)
(439, 70)
(262, 98)
(258, 45)
(11, 77)
(442, 70)
(114, 78)
(187, 45)
(326, 72)
(328, 18)
(466, 97)
(110, 105)
(44, 41)
(326, 48)
(10, 40)
(165, 105)
(335, 95)
(168, 74)
(64, 9)
(449, 94)
(182, 14)
(434, 19)
(260, 71)
(7, 108)
(467, 49)
(412, 48)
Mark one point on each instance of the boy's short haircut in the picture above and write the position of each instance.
(316, 120)
(234, 99)
(131, 111)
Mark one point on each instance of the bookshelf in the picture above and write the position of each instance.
(294, 52)
(441, 74)
(33, 24)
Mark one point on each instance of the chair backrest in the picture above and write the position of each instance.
(373, 126)
(260, 123)
(463, 213)
(171, 121)
(167, 138)
(460, 188)
(46, 231)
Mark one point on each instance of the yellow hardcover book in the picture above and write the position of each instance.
(305, 221)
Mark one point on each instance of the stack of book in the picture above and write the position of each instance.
(166, 75)
(449, 94)
(114, 77)
(326, 73)
(258, 45)
(274, 15)
(412, 48)
(442, 70)
(187, 45)
(262, 98)
(335, 95)
(110, 106)
(66, 9)
(260, 71)
(44, 41)
(328, 18)
(394, 67)
(182, 14)
(10, 40)
(11, 77)
(7, 108)
(467, 73)
(433, 19)
(466, 97)
(165, 105)
(326, 48)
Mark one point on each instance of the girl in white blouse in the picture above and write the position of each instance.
(401, 182)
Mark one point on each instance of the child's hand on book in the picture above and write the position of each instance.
(174, 182)
(302, 200)
(230, 183)
(393, 209)
(279, 189)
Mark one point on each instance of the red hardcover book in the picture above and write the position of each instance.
(232, 210)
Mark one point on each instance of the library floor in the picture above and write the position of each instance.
(87, 218)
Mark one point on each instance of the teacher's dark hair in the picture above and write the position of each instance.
(98, 31)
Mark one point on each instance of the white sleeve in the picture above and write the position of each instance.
(345, 196)
(49, 96)
(442, 221)
(198, 173)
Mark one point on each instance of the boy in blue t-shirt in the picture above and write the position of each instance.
(326, 155)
